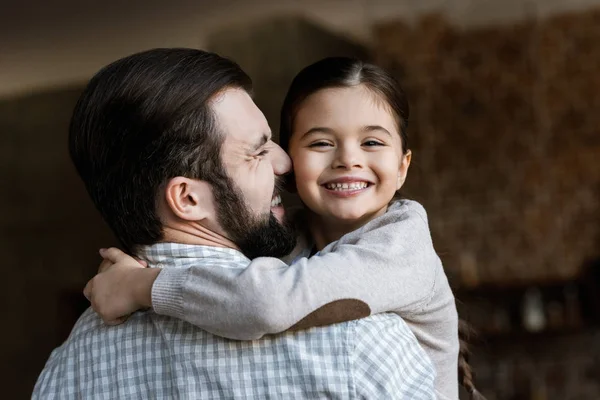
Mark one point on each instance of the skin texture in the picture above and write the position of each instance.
(346, 136)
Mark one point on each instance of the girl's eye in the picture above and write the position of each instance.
(263, 153)
(319, 144)
(371, 143)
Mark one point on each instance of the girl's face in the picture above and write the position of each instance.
(347, 154)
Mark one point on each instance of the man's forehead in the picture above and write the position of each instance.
(240, 119)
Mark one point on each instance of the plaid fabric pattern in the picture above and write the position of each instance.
(156, 357)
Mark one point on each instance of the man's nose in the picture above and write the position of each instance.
(282, 164)
(347, 157)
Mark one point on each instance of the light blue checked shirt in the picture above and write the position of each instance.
(156, 357)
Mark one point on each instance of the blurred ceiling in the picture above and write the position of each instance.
(31, 17)
(45, 43)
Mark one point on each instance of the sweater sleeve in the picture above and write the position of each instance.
(388, 265)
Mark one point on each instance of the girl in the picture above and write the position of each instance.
(362, 250)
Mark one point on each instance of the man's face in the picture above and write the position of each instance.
(249, 207)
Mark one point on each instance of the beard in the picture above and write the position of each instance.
(255, 235)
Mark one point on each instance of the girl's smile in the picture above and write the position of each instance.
(347, 154)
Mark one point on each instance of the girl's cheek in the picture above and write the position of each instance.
(301, 165)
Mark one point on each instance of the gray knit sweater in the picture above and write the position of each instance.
(388, 265)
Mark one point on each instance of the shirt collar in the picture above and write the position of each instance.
(167, 252)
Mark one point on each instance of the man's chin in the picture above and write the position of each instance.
(270, 239)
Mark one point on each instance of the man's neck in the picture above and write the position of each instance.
(195, 234)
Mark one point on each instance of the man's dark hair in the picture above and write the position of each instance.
(143, 120)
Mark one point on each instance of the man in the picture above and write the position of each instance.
(179, 162)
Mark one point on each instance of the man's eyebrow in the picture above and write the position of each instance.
(263, 140)
(371, 128)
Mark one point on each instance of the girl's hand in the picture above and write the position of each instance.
(119, 288)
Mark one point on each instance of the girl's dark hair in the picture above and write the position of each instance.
(342, 72)
(465, 372)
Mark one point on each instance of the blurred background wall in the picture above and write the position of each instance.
(503, 127)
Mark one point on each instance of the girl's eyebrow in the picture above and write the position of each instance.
(371, 128)
(365, 129)
(317, 129)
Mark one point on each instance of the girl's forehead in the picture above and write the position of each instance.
(345, 107)
(335, 95)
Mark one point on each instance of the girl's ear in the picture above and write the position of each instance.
(403, 169)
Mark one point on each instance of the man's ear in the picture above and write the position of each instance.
(189, 199)
(403, 170)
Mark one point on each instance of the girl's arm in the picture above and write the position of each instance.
(387, 265)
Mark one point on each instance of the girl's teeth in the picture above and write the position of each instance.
(347, 186)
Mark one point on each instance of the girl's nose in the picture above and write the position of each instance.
(347, 157)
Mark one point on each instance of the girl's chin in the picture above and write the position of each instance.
(346, 218)
(343, 217)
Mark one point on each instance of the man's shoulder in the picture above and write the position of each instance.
(89, 328)
(87, 323)
(388, 334)
(386, 351)
(385, 324)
